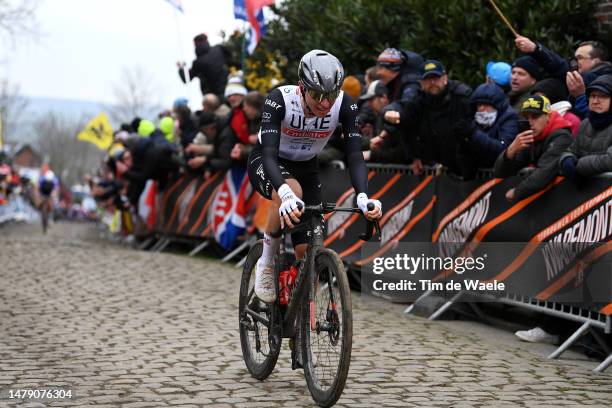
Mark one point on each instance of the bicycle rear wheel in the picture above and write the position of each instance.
(259, 349)
(327, 330)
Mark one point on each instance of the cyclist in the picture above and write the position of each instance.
(47, 184)
(297, 122)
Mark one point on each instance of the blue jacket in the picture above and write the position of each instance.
(488, 143)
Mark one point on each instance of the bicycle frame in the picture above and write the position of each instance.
(312, 222)
(305, 276)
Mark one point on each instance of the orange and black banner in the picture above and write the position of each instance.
(552, 245)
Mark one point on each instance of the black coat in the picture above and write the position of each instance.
(592, 148)
(427, 124)
(210, 67)
(150, 161)
(544, 155)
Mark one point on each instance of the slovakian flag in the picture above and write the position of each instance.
(230, 207)
(178, 4)
(251, 11)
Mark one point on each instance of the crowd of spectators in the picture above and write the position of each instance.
(538, 111)
(442, 121)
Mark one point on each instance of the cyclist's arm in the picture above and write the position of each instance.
(269, 136)
(352, 145)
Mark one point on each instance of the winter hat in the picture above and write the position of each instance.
(551, 88)
(499, 72)
(235, 78)
(166, 125)
(602, 84)
(530, 65)
(180, 102)
(235, 89)
(390, 58)
(352, 86)
(145, 128)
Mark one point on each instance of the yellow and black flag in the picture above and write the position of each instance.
(98, 132)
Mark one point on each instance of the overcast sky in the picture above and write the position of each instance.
(84, 45)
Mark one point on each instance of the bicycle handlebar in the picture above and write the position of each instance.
(372, 227)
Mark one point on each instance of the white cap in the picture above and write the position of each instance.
(235, 89)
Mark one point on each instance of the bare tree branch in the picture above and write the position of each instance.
(69, 158)
(135, 95)
(17, 18)
(12, 107)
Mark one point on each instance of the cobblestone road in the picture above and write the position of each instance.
(134, 329)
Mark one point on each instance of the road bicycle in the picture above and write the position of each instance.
(317, 316)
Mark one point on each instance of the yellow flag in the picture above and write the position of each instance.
(98, 132)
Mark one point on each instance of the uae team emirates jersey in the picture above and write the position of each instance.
(301, 138)
(287, 133)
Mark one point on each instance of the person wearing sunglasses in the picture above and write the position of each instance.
(296, 123)
(588, 63)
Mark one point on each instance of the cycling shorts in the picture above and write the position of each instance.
(306, 173)
(46, 188)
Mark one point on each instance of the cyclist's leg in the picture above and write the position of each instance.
(264, 271)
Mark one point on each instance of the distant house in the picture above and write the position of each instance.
(26, 156)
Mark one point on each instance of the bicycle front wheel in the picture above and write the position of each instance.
(259, 349)
(327, 330)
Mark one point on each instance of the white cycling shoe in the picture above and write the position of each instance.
(264, 282)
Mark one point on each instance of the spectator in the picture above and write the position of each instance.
(146, 128)
(541, 145)
(385, 147)
(428, 120)
(209, 66)
(494, 127)
(556, 93)
(591, 152)
(180, 101)
(371, 75)
(210, 147)
(500, 74)
(148, 160)
(525, 73)
(399, 71)
(166, 126)
(589, 63)
(186, 126)
(212, 103)
(234, 94)
(244, 125)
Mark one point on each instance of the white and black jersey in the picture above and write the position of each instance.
(287, 133)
